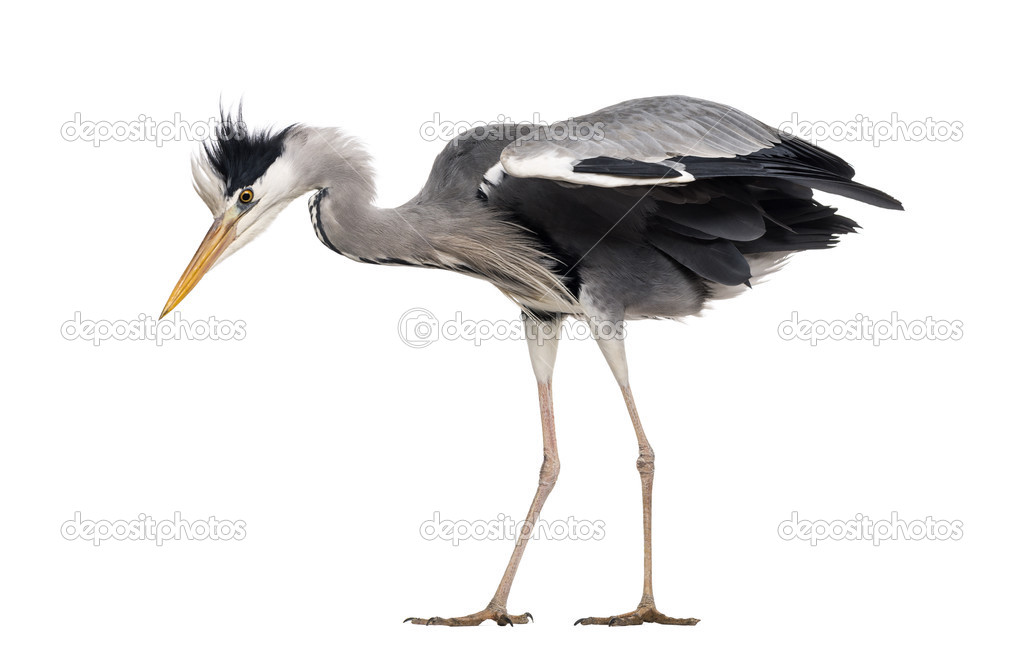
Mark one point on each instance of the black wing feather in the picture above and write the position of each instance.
(716, 260)
(625, 167)
(752, 204)
(792, 160)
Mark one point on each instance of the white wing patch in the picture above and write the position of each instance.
(555, 163)
(492, 179)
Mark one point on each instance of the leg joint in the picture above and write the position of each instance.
(549, 470)
(645, 462)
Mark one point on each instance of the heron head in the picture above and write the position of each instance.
(245, 178)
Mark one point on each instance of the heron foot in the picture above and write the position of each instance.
(644, 613)
(496, 614)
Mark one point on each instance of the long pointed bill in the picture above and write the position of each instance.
(217, 239)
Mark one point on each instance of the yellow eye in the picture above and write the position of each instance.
(246, 196)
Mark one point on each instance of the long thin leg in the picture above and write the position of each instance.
(548, 475)
(542, 337)
(615, 353)
(645, 465)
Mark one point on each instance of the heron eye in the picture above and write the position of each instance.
(246, 196)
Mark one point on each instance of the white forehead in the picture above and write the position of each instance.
(278, 179)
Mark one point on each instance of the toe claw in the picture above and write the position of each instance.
(643, 614)
(498, 615)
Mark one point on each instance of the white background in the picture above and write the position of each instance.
(334, 441)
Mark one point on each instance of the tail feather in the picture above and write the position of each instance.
(797, 162)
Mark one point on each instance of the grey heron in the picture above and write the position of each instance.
(649, 208)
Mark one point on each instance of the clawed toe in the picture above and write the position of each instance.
(648, 614)
(498, 616)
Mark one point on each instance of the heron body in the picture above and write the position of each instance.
(666, 204)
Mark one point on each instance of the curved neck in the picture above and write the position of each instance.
(446, 231)
(343, 212)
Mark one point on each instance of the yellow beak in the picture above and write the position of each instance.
(217, 239)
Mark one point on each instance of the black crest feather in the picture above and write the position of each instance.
(239, 155)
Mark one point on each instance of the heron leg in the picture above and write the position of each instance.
(614, 352)
(542, 338)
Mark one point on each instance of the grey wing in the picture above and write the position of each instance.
(642, 131)
(673, 141)
(697, 182)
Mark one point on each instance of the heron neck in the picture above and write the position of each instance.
(346, 220)
(449, 231)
